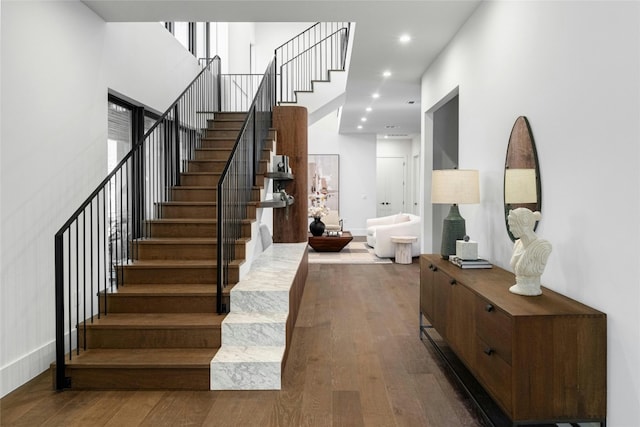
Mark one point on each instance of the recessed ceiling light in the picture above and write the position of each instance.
(411, 102)
(369, 109)
(376, 95)
(359, 126)
(405, 38)
(386, 74)
(364, 119)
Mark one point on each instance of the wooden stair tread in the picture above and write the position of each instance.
(189, 203)
(143, 358)
(167, 289)
(163, 263)
(184, 220)
(176, 240)
(195, 187)
(157, 321)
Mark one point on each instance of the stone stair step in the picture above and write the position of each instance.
(247, 368)
(254, 329)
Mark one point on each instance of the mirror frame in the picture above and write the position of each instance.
(521, 154)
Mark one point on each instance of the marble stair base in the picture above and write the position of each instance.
(247, 368)
(254, 333)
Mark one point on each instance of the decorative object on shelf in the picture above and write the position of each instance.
(466, 249)
(522, 187)
(454, 186)
(281, 164)
(530, 253)
(316, 227)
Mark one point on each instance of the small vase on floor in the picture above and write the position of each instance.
(316, 227)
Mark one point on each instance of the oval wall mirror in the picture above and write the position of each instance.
(521, 172)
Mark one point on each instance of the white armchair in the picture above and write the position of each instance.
(380, 230)
(332, 221)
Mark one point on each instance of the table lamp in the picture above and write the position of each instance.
(454, 186)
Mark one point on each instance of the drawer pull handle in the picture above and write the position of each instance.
(489, 308)
(435, 268)
(452, 282)
(431, 267)
(488, 351)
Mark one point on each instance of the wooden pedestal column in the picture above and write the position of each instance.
(290, 225)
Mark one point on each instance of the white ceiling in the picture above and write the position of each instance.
(379, 23)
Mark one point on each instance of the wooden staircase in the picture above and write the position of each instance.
(161, 329)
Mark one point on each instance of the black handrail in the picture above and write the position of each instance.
(101, 236)
(239, 177)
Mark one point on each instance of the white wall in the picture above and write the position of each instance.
(573, 69)
(58, 61)
(357, 170)
(270, 35)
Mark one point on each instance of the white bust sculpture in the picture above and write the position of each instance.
(530, 254)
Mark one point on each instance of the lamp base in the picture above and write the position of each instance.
(453, 228)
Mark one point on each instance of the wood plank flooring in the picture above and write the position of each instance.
(356, 360)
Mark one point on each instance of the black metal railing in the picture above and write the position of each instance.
(309, 57)
(238, 178)
(101, 236)
(238, 91)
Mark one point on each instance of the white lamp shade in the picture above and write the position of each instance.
(455, 186)
(520, 186)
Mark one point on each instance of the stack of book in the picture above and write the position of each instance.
(470, 263)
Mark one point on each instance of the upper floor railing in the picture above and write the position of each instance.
(309, 57)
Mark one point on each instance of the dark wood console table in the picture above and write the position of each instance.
(330, 243)
(540, 359)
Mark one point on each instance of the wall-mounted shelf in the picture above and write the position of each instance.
(278, 202)
(279, 176)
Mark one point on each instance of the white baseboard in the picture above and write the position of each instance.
(25, 368)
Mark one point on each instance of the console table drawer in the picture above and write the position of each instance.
(494, 327)
(495, 373)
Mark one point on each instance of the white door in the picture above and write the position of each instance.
(390, 195)
(416, 185)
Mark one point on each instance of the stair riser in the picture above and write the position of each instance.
(118, 303)
(208, 180)
(221, 133)
(139, 379)
(193, 251)
(156, 275)
(159, 229)
(172, 211)
(254, 334)
(179, 337)
(216, 166)
(150, 251)
(194, 194)
(212, 154)
(223, 143)
(238, 115)
(225, 124)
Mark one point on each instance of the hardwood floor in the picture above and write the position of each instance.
(356, 360)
